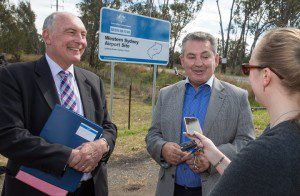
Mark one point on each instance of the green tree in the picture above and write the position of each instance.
(258, 22)
(283, 13)
(273, 13)
(145, 8)
(244, 11)
(225, 43)
(181, 14)
(26, 20)
(17, 29)
(8, 28)
(251, 18)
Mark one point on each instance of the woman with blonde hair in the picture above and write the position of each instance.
(269, 165)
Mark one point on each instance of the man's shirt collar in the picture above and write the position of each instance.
(55, 68)
(209, 82)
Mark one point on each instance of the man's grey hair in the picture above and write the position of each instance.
(199, 36)
(49, 21)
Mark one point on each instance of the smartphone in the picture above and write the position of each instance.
(192, 125)
(186, 146)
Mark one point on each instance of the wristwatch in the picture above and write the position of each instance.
(106, 145)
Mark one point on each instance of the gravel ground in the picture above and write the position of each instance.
(132, 176)
(129, 176)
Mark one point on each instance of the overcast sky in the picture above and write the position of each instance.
(207, 19)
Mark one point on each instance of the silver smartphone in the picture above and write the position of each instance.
(192, 125)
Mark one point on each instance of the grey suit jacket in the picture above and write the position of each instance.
(228, 123)
(27, 97)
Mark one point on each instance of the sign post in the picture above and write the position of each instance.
(132, 38)
(154, 86)
(112, 80)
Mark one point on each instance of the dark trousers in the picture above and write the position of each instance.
(86, 188)
(187, 191)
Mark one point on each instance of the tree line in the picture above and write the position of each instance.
(249, 19)
(18, 34)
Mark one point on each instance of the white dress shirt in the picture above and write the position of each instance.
(55, 69)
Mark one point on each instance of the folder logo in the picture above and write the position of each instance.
(86, 132)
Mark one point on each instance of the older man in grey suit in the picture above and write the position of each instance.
(222, 109)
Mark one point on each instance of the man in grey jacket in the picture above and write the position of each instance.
(222, 109)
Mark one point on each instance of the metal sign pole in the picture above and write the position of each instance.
(112, 80)
(154, 87)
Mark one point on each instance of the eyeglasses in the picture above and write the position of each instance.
(246, 69)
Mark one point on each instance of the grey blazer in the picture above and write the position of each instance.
(228, 123)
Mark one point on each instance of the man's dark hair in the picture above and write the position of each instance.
(199, 36)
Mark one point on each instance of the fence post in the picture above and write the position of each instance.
(129, 104)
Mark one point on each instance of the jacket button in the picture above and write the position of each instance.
(173, 176)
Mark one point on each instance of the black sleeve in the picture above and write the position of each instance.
(17, 143)
(110, 129)
(259, 169)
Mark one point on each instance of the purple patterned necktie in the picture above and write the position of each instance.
(67, 96)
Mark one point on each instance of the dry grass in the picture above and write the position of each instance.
(24, 57)
(140, 112)
(130, 141)
(260, 119)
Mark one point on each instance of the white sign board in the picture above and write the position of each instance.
(126, 37)
(224, 61)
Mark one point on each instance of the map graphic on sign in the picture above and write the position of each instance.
(154, 50)
(126, 37)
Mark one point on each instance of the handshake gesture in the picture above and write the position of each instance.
(86, 157)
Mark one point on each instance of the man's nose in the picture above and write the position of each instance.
(198, 61)
(80, 38)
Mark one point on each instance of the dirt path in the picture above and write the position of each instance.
(132, 176)
(129, 176)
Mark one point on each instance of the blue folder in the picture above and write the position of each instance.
(70, 129)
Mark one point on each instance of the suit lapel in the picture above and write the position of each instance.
(178, 98)
(84, 87)
(45, 82)
(215, 104)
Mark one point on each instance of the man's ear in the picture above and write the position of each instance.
(266, 77)
(217, 59)
(181, 60)
(46, 36)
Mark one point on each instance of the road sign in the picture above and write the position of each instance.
(126, 37)
(224, 61)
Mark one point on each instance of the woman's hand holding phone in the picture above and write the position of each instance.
(211, 152)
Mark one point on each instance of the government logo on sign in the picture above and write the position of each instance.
(121, 18)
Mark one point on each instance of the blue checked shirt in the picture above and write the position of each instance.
(195, 105)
